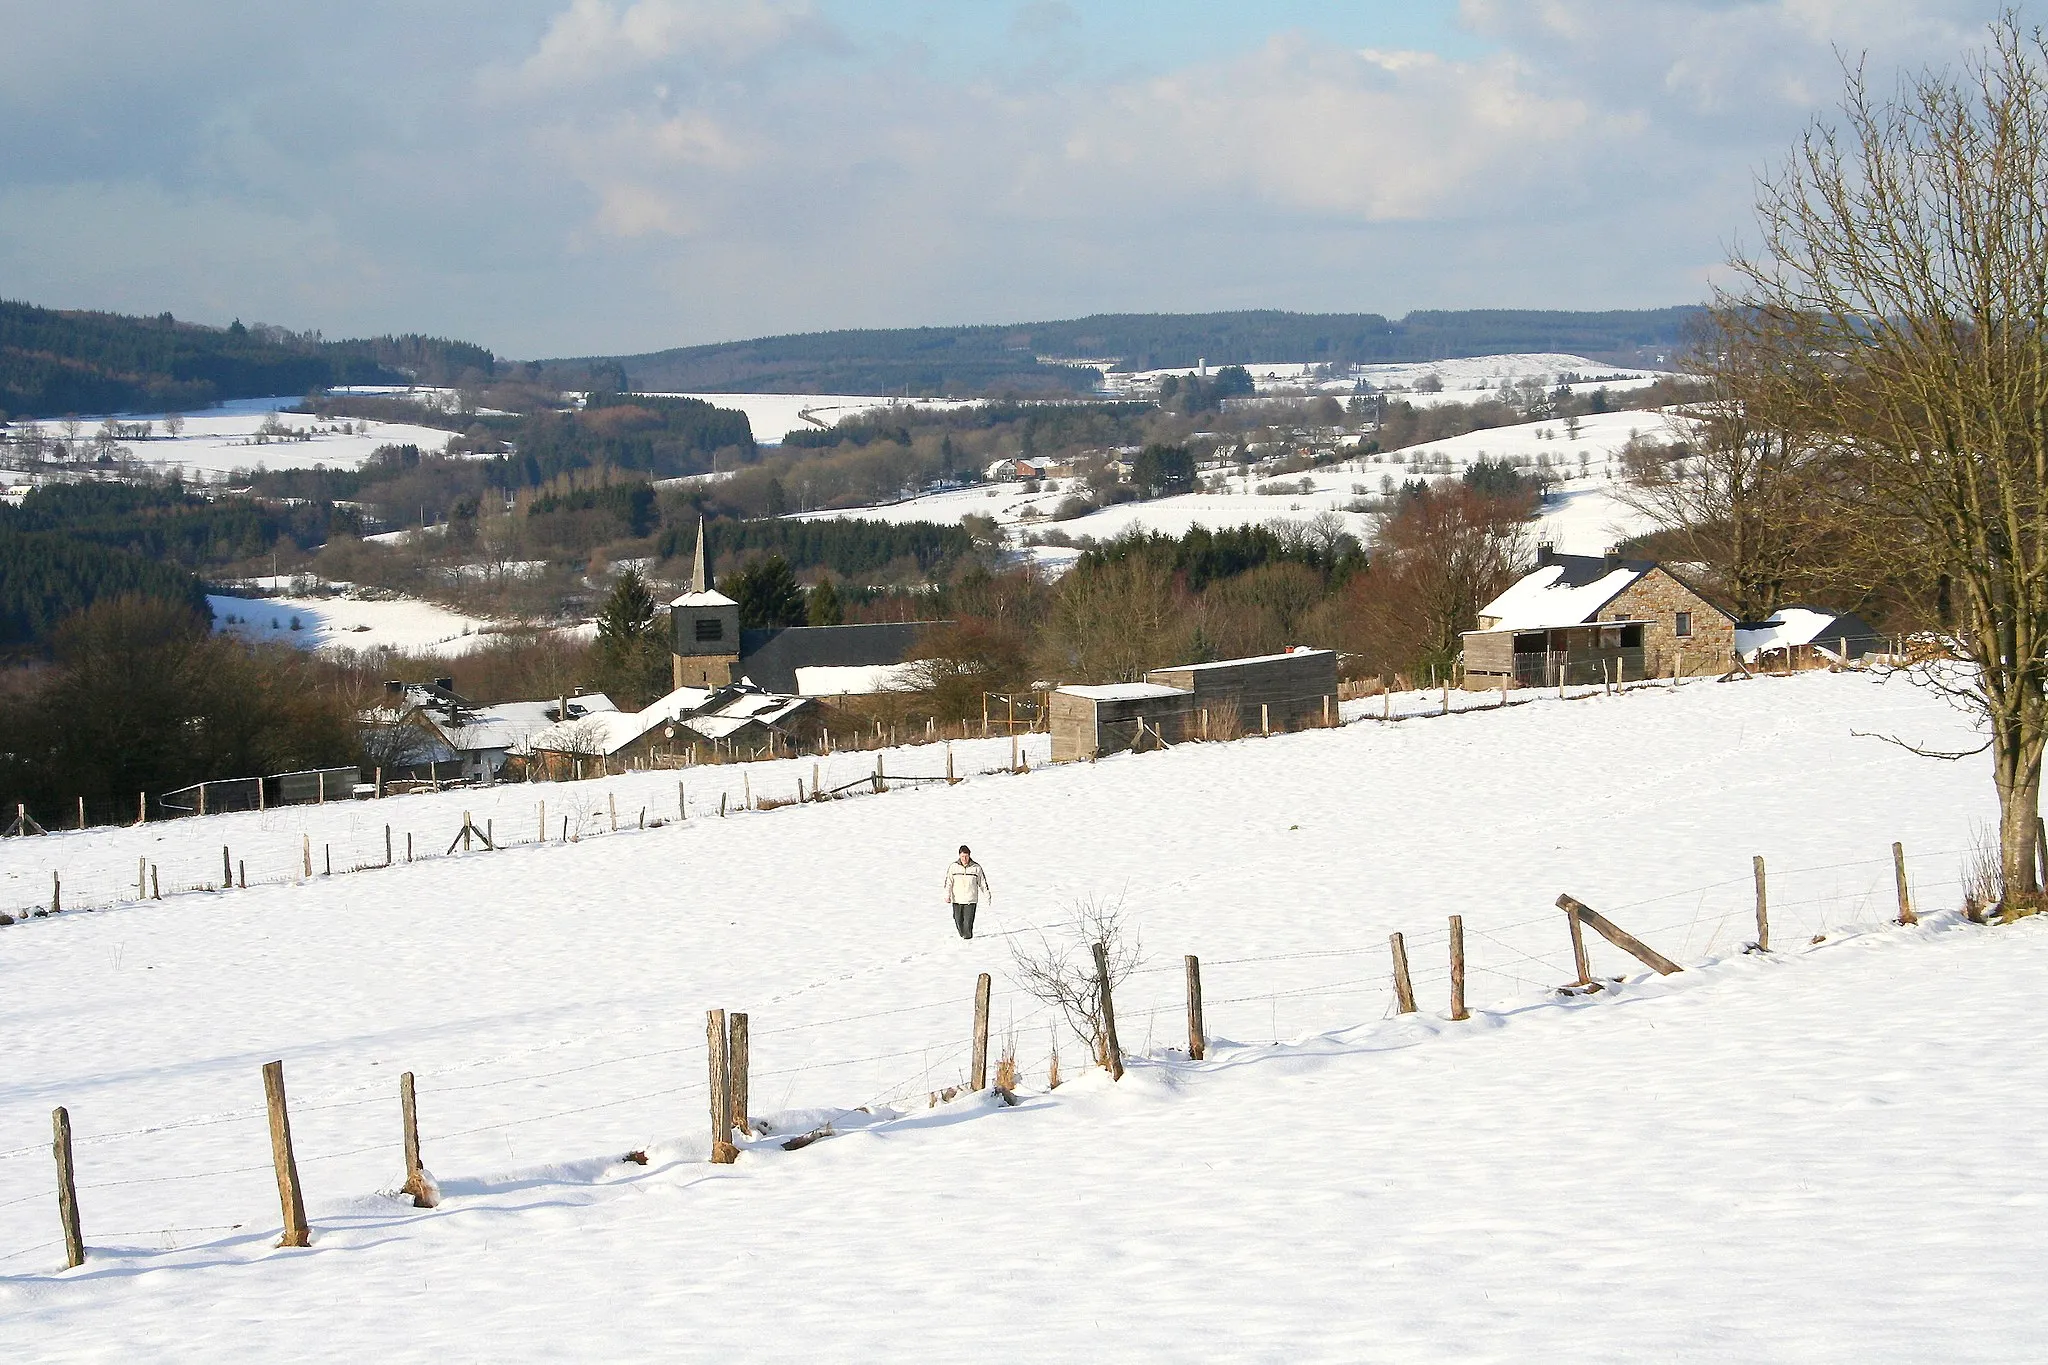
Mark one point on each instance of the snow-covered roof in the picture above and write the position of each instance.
(856, 680)
(608, 732)
(1553, 596)
(1790, 627)
(1234, 663)
(1124, 691)
(710, 598)
(513, 724)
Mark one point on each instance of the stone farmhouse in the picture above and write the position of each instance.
(1268, 694)
(1583, 619)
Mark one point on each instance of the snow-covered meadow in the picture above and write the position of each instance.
(1762, 1158)
(349, 623)
(231, 436)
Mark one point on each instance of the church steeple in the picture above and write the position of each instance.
(700, 579)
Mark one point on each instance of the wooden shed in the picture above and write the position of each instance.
(1088, 722)
(1296, 690)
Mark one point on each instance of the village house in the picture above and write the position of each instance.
(738, 719)
(1270, 693)
(1801, 636)
(1584, 619)
(428, 732)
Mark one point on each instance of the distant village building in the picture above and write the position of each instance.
(428, 732)
(1221, 700)
(1801, 636)
(709, 650)
(738, 719)
(1582, 619)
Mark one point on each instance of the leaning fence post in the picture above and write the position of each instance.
(289, 1195)
(417, 1184)
(723, 1153)
(979, 1076)
(1404, 990)
(1615, 934)
(736, 1070)
(1113, 1050)
(1585, 971)
(67, 1188)
(1458, 1010)
(1763, 919)
(1198, 1034)
(1906, 915)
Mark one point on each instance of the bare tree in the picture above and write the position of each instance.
(1060, 972)
(1901, 297)
(1735, 490)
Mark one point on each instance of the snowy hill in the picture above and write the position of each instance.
(1764, 1157)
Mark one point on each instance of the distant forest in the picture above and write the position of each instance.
(930, 361)
(56, 362)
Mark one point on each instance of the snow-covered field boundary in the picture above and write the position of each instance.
(1520, 962)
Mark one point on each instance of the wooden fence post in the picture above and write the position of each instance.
(227, 867)
(723, 1153)
(327, 859)
(1404, 990)
(142, 808)
(543, 823)
(1614, 934)
(1198, 1034)
(81, 812)
(1458, 1010)
(56, 893)
(306, 852)
(736, 1069)
(417, 1185)
(2040, 851)
(611, 802)
(1763, 919)
(156, 888)
(142, 878)
(387, 845)
(1114, 1053)
(242, 874)
(408, 845)
(1265, 719)
(949, 782)
(289, 1196)
(67, 1188)
(979, 1076)
(1906, 915)
(1579, 963)
(682, 798)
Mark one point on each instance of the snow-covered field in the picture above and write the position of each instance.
(349, 623)
(225, 438)
(1583, 516)
(1463, 379)
(1822, 1154)
(774, 415)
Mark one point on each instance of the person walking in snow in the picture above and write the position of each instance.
(965, 883)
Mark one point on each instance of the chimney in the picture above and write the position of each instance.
(445, 684)
(1613, 557)
(1546, 554)
(394, 689)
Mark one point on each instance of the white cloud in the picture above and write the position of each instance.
(598, 39)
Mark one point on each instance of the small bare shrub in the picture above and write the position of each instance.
(1006, 1067)
(1983, 875)
(1061, 972)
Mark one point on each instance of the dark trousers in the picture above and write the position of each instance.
(963, 918)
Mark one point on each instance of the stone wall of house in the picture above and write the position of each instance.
(1656, 598)
(704, 670)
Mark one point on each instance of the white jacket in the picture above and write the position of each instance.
(964, 884)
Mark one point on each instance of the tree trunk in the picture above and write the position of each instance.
(2017, 753)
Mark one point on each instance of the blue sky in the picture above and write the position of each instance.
(559, 177)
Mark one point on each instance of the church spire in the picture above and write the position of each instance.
(700, 580)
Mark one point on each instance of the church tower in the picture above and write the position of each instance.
(705, 626)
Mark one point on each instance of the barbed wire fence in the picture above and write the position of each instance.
(205, 1166)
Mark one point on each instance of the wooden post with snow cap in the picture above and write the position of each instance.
(979, 1075)
(1113, 1052)
(1763, 918)
(1458, 1010)
(289, 1196)
(424, 1196)
(1404, 989)
(1614, 934)
(1906, 915)
(736, 1070)
(67, 1187)
(1198, 1032)
(723, 1153)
